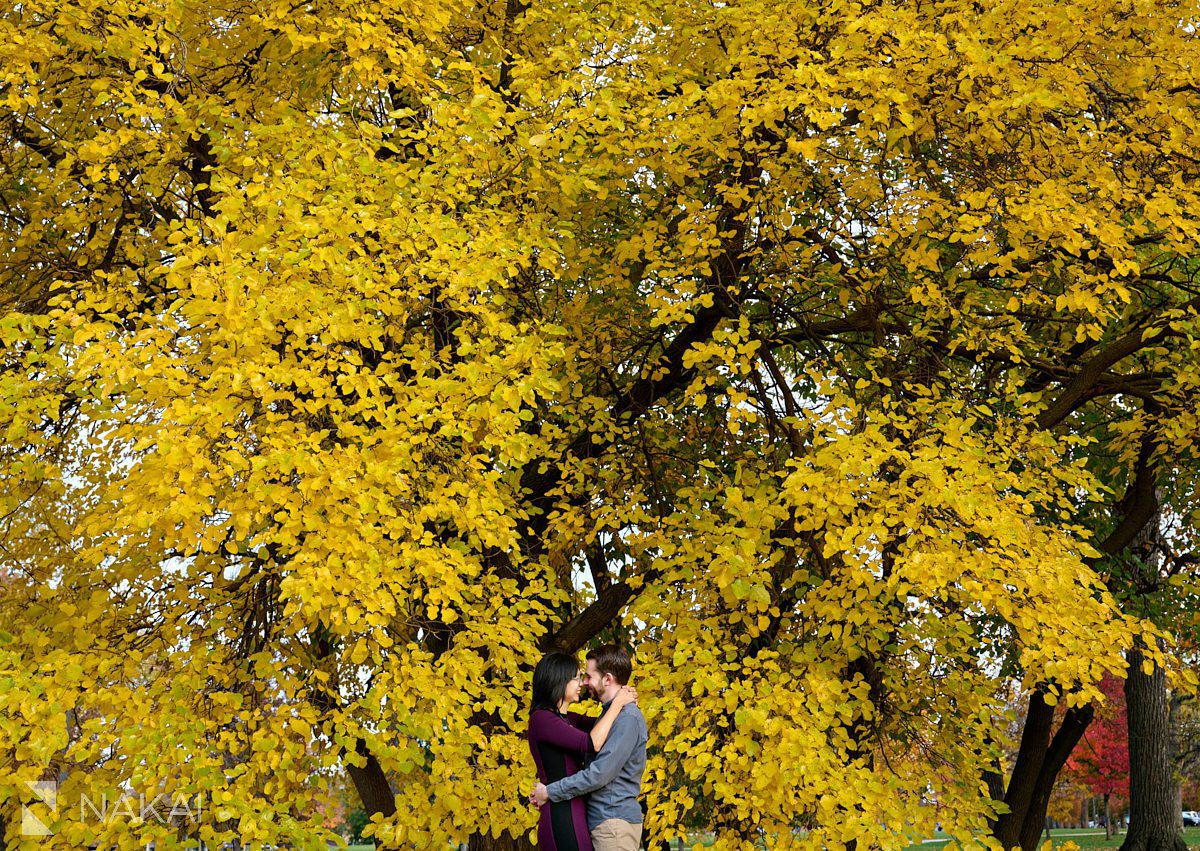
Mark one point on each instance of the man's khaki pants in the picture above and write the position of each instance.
(616, 834)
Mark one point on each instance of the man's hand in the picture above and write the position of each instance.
(538, 796)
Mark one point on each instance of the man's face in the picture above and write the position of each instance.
(593, 683)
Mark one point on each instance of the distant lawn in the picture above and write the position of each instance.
(1091, 837)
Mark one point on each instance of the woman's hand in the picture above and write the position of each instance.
(538, 797)
(626, 696)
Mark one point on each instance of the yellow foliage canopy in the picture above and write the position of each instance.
(353, 355)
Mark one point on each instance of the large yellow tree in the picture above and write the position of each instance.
(356, 354)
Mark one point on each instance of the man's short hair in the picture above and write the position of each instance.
(611, 659)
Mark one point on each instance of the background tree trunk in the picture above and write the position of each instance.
(1035, 740)
(994, 781)
(506, 842)
(1174, 724)
(1074, 725)
(1038, 763)
(1153, 808)
(371, 782)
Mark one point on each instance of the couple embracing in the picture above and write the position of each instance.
(590, 768)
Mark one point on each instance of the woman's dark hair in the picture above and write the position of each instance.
(550, 679)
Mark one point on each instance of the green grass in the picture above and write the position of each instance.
(1091, 837)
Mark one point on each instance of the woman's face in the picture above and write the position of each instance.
(571, 691)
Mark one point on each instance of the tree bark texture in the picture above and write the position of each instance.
(1074, 724)
(1153, 813)
(506, 842)
(1040, 758)
(1035, 740)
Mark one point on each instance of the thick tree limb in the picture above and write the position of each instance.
(1035, 740)
(1074, 725)
(1076, 392)
(585, 625)
(1140, 502)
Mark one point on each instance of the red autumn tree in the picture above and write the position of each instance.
(1101, 761)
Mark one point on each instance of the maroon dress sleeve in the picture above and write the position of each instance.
(582, 722)
(549, 727)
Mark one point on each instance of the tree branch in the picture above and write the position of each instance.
(1076, 393)
(581, 628)
(1140, 502)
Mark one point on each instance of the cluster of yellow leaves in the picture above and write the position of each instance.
(930, 550)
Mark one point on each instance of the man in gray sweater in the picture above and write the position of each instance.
(613, 779)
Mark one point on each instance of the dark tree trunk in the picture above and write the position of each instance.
(1074, 725)
(1108, 830)
(993, 778)
(1039, 761)
(1153, 813)
(1177, 767)
(1035, 740)
(371, 783)
(506, 842)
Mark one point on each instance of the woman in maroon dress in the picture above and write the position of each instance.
(561, 741)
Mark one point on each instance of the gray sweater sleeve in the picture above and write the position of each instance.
(603, 769)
